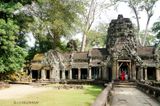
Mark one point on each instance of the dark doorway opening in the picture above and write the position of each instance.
(151, 73)
(83, 73)
(48, 74)
(67, 74)
(136, 72)
(60, 74)
(124, 70)
(35, 74)
(95, 72)
(74, 73)
(109, 73)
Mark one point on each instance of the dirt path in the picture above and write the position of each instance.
(18, 91)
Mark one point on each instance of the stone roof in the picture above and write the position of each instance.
(80, 55)
(38, 57)
(145, 51)
(99, 52)
(149, 63)
(67, 56)
(95, 63)
(36, 66)
(80, 65)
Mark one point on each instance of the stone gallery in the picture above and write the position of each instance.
(122, 59)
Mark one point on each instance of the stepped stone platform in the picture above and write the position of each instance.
(125, 84)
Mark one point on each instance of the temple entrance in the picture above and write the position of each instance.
(124, 70)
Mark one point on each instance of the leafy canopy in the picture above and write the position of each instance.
(12, 56)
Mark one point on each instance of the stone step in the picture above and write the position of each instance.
(124, 83)
(125, 86)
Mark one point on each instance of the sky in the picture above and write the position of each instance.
(110, 14)
(123, 9)
(127, 13)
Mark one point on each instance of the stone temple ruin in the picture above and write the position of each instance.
(122, 53)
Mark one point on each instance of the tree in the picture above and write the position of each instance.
(53, 19)
(138, 6)
(148, 5)
(92, 11)
(72, 45)
(12, 54)
(156, 29)
(97, 37)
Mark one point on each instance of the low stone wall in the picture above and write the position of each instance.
(88, 82)
(105, 97)
(150, 90)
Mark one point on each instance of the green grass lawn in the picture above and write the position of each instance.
(72, 97)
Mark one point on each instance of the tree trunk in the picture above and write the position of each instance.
(88, 24)
(138, 24)
(83, 44)
(146, 31)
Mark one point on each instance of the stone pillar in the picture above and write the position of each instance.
(89, 73)
(141, 73)
(117, 71)
(79, 73)
(100, 73)
(158, 74)
(114, 69)
(43, 74)
(30, 73)
(134, 71)
(70, 74)
(51, 74)
(146, 77)
(63, 75)
(39, 76)
(130, 71)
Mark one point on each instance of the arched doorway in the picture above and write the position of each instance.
(124, 70)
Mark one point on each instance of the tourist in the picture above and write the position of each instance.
(123, 76)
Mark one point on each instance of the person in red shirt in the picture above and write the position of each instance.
(123, 75)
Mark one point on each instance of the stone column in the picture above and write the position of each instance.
(43, 74)
(100, 72)
(146, 77)
(114, 65)
(130, 71)
(70, 74)
(158, 74)
(134, 71)
(30, 73)
(79, 73)
(117, 71)
(63, 75)
(39, 76)
(89, 73)
(141, 73)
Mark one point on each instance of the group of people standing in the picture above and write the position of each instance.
(124, 75)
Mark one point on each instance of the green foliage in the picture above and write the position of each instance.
(97, 37)
(156, 28)
(12, 56)
(72, 45)
(54, 19)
